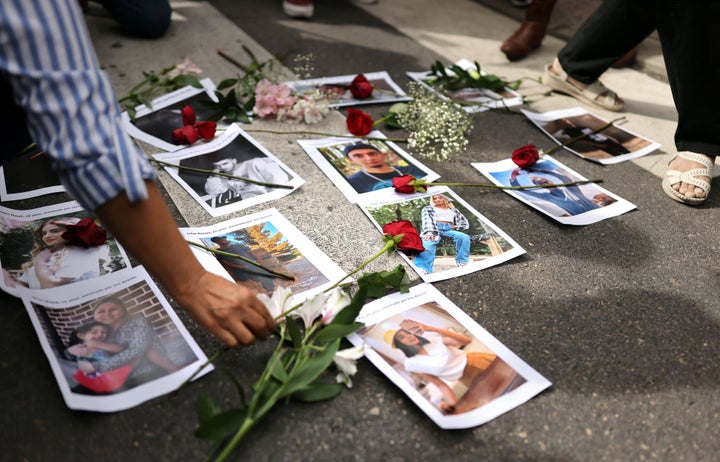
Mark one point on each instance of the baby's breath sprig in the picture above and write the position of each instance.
(437, 129)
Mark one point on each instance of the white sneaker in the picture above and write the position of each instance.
(299, 8)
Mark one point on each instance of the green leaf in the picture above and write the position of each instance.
(143, 100)
(376, 283)
(278, 371)
(207, 407)
(336, 331)
(184, 80)
(227, 83)
(293, 331)
(304, 375)
(319, 392)
(221, 425)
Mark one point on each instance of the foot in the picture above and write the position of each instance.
(525, 39)
(688, 190)
(557, 70)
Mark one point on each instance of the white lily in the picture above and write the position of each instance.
(310, 310)
(280, 302)
(337, 301)
(345, 361)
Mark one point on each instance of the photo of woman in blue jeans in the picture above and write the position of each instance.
(439, 219)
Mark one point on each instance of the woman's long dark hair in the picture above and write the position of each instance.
(409, 350)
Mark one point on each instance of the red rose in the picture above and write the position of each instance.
(188, 115)
(526, 156)
(359, 123)
(186, 135)
(85, 233)
(361, 88)
(411, 241)
(206, 129)
(402, 184)
(192, 130)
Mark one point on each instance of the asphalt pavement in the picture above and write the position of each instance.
(622, 315)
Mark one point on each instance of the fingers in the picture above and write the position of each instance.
(231, 312)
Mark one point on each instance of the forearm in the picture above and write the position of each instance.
(148, 231)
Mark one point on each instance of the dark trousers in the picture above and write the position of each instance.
(690, 47)
(140, 18)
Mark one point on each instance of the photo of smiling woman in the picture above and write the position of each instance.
(53, 260)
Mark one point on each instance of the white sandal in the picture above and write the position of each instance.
(559, 82)
(673, 177)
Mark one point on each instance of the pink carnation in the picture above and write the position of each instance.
(271, 98)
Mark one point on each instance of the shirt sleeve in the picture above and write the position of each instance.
(71, 107)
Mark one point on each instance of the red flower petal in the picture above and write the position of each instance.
(186, 135)
(402, 184)
(358, 122)
(206, 129)
(525, 156)
(411, 241)
(361, 90)
(85, 233)
(188, 115)
(359, 78)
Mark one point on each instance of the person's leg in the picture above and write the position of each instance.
(692, 59)
(426, 259)
(531, 32)
(611, 31)
(140, 18)
(462, 245)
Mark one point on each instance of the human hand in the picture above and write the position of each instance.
(227, 310)
(412, 326)
(430, 237)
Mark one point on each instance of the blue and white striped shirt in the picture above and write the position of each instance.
(73, 115)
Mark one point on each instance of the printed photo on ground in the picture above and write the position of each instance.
(609, 146)
(29, 175)
(35, 255)
(358, 166)
(471, 99)
(454, 370)
(571, 205)
(232, 154)
(456, 238)
(115, 345)
(266, 238)
(337, 89)
(154, 125)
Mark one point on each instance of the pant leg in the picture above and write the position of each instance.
(426, 259)
(613, 29)
(462, 243)
(691, 49)
(140, 18)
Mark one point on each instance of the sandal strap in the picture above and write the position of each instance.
(691, 177)
(598, 89)
(707, 161)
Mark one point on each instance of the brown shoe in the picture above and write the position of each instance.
(527, 38)
(531, 32)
